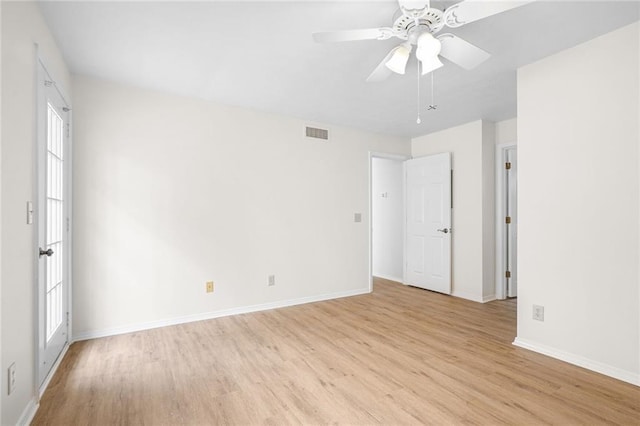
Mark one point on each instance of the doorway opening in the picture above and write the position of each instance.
(410, 211)
(386, 208)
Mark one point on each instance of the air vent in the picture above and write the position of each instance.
(313, 132)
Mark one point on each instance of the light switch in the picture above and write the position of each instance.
(357, 217)
(29, 212)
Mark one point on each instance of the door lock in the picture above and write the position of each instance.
(444, 230)
(46, 252)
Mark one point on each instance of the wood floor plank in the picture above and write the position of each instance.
(399, 355)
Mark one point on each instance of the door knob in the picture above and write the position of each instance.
(445, 230)
(46, 252)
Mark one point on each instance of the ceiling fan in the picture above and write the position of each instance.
(417, 23)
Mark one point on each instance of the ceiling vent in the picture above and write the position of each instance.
(316, 133)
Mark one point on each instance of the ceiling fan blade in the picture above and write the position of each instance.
(414, 4)
(461, 52)
(382, 72)
(473, 10)
(352, 35)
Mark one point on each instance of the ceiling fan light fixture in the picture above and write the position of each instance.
(399, 58)
(428, 46)
(427, 52)
(430, 64)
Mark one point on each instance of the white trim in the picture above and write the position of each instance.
(580, 361)
(501, 291)
(388, 156)
(489, 298)
(390, 278)
(29, 413)
(473, 297)
(467, 296)
(53, 370)
(69, 245)
(36, 232)
(404, 223)
(215, 314)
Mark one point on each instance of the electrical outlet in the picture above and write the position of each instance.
(12, 378)
(209, 286)
(272, 280)
(538, 313)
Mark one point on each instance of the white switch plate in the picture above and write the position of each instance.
(29, 212)
(357, 217)
(272, 280)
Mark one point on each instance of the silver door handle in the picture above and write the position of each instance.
(46, 252)
(445, 230)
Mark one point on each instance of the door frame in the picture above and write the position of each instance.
(387, 156)
(501, 235)
(43, 73)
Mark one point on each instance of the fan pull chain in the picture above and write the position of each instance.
(433, 105)
(418, 120)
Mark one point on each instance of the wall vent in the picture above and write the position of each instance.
(313, 132)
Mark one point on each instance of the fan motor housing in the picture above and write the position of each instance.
(410, 28)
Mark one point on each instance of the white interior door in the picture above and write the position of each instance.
(53, 270)
(428, 223)
(512, 227)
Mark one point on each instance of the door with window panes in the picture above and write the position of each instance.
(53, 225)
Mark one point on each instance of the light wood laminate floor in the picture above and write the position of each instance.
(400, 355)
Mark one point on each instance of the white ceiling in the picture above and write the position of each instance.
(261, 55)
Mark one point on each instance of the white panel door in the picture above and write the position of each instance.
(53, 271)
(428, 222)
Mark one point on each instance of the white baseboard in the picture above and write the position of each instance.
(489, 298)
(580, 361)
(47, 380)
(389, 277)
(29, 413)
(94, 334)
(474, 297)
(468, 296)
(32, 407)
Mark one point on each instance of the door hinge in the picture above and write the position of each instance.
(507, 219)
(67, 319)
(68, 225)
(68, 130)
(507, 165)
(507, 274)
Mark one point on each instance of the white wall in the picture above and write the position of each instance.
(507, 132)
(488, 211)
(22, 26)
(171, 192)
(1, 364)
(578, 204)
(473, 257)
(387, 211)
